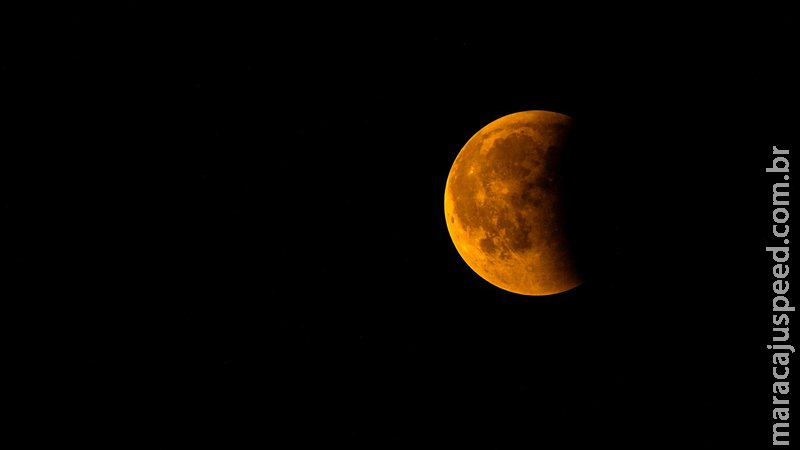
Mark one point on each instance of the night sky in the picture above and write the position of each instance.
(235, 219)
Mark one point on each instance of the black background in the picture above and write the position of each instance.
(229, 225)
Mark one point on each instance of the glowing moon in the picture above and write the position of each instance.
(503, 204)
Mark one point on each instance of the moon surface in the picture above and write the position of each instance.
(503, 204)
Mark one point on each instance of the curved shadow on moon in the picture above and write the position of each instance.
(589, 199)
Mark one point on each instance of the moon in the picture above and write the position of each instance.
(503, 204)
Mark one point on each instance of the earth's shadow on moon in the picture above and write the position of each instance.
(590, 200)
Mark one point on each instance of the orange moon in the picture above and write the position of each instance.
(503, 204)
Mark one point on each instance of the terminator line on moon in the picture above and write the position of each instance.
(503, 204)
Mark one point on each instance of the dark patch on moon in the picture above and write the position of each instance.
(487, 245)
(519, 237)
(532, 195)
(513, 157)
